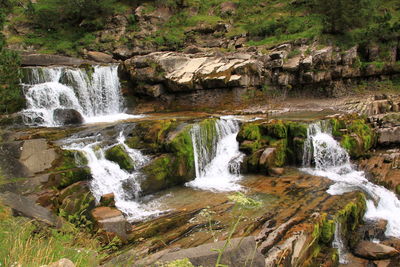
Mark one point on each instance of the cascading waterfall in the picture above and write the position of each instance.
(95, 93)
(339, 245)
(333, 162)
(108, 177)
(217, 164)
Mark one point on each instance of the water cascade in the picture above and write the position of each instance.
(339, 245)
(108, 177)
(333, 162)
(217, 162)
(94, 92)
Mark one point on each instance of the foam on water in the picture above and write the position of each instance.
(333, 162)
(108, 177)
(94, 93)
(218, 169)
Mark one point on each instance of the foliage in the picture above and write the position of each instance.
(340, 16)
(24, 243)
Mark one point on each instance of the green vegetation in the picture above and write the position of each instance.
(26, 243)
(11, 99)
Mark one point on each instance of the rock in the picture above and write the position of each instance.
(389, 136)
(64, 179)
(100, 57)
(49, 60)
(61, 263)
(228, 8)
(67, 117)
(36, 155)
(267, 157)
(26, 207)
(374, 251)
(112, 222)
(187, 72)
(192, 50)
(350, 56)
(392, 242)
(239, 252)
(119, 155)
(108, 200)
(277, 171)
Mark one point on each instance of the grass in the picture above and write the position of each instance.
(24, 243)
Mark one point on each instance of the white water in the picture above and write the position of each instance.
(333, 162)
(339, 245)
(108, 177)
(218, 169)
(96, 96)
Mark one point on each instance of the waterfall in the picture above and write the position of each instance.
(217, 162)
(339, 245)
(108, 177)
(333, 162)
(93, 92)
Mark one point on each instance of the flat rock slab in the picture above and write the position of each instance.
(36, 156)
(240, 252)
(51, 60)
(26, 207)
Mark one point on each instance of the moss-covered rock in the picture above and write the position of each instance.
(119, 155)
(275, 129)
(249, 131)
(66, 178)
(70, 159)
(355, 135)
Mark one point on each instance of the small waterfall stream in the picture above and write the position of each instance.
(108, 177)
(333, 162)
(217, 164)
(93, 92)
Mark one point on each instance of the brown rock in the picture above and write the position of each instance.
(100, 57)
(374, 251)
(112, 222)
(276, 171)
(392, 242)
(108, 200)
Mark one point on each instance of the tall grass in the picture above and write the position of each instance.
(24, 243)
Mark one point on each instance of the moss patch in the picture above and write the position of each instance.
(119, 155)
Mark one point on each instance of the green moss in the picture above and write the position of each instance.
(250, 147)
(119, 155)
(337, 125)
(280, 153)
(182, 147)
(249, 131)
(71, 159)
(327, 231)
(296, 129)
(398, 189)
(72, 176)
(275, 129)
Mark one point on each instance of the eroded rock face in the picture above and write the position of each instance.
(186, 72)
(36, 155)
(100, 57)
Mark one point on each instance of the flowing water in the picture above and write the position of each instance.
(217, 164)
(339, 245)
(333, 162)
(108, 177)
(95, 93)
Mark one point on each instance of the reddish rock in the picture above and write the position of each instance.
(112, 222)
(374, 251)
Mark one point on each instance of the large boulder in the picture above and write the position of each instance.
(111, 222)
(100, 57)
(36, 155)
(374, 251)
(389, 136)
(119, 155)
(67, 116)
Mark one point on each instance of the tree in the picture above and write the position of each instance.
(340, 16)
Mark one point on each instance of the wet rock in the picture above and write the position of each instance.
(112, 222)
(66, 178)
(36, 155)
(26, 207)
(267, 157)
(61, 263)
(119, 155)
(238, 252)
(108, 200)
(100, 57)
(67, 117)
(392, 242)
(374, 251)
